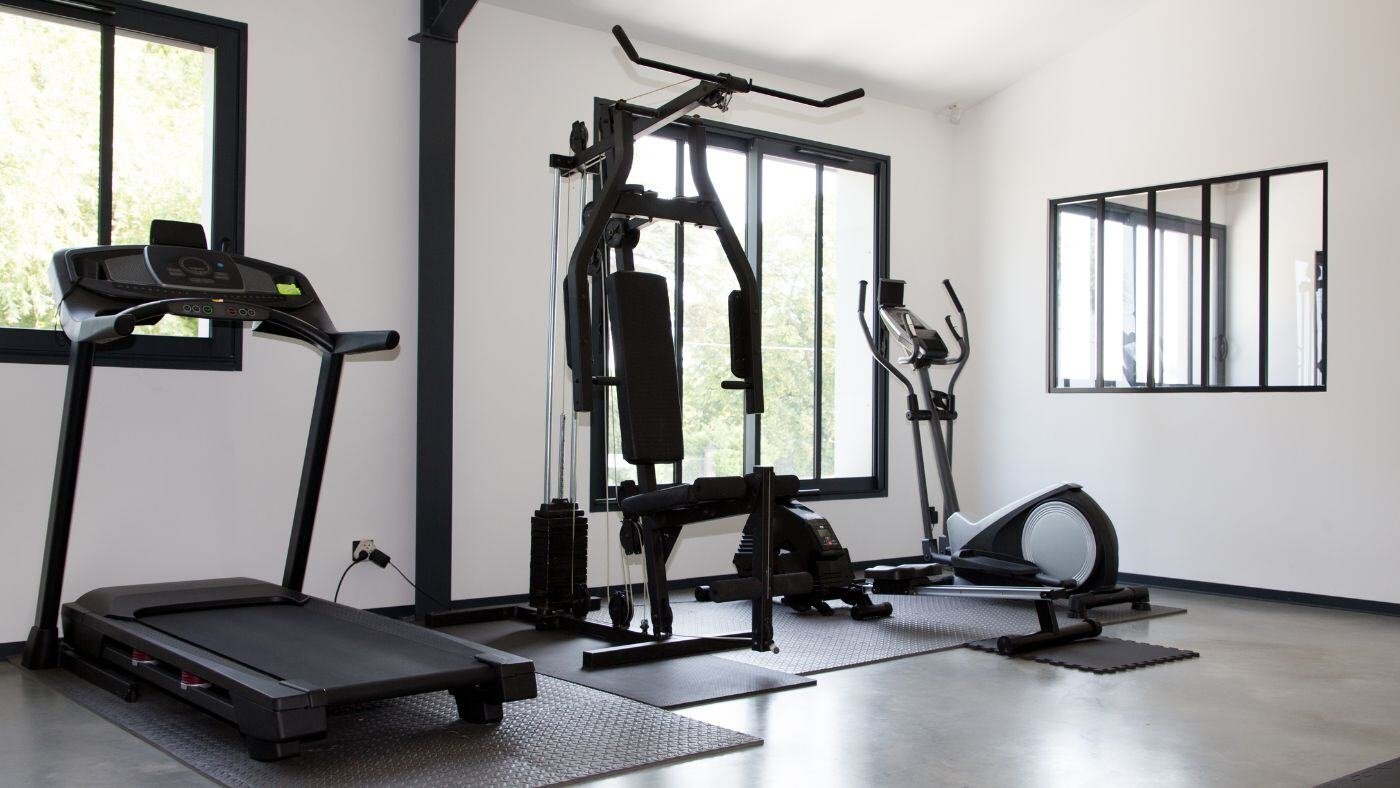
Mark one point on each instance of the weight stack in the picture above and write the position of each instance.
(558, 557)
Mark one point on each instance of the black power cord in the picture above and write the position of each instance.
(381, 559)
(336, 598)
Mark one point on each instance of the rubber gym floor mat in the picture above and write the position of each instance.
(566, 734)
(666, 684)
(812, 643)
(1100, 655)
(1383, 775)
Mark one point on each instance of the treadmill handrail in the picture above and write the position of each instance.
(104, 328)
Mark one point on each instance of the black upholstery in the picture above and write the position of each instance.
(648, 393)
(714, 488)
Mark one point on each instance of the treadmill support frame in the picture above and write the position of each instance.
(41, 650)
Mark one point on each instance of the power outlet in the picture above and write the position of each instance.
(360, 549)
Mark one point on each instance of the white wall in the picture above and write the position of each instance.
(521, 81)
(1286, 491)
(332, 191)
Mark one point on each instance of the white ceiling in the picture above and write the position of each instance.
(925, 53)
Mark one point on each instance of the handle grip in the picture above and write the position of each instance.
(860, 307)
(953, 294)
(727, 81)
(850, 95)
(626, 44)
(105, 328)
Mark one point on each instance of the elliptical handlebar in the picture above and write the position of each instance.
(881, 358)
(728, 81)
(963, 338)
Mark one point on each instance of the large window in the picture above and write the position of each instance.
(813, 222)
(1214, 285)
(111, 116)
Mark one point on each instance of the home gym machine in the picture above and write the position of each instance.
(1055, 543)
(618, 317)
(266, 657)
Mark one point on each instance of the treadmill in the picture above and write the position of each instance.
(267, 658)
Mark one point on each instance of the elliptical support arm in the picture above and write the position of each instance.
(926, 515)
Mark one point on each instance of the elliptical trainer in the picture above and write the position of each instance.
(1055, 543)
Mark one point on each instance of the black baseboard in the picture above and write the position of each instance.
(1266, 594)
(8, 650)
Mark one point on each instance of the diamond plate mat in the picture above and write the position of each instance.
(568, 733)
(812, 643)
(666, 684)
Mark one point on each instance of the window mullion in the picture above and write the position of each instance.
(106, 112)
(1264, 281)
(1098, 296)
(817, 332)
(1152, 289)
(1206, 339)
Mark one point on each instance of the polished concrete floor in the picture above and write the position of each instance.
(1282, 695)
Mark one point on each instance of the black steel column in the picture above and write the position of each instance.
(437, 163)
(313, 470)
(41, 650)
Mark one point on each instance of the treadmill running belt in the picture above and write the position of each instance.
(305, 644)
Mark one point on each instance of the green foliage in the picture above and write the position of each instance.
(49, 120)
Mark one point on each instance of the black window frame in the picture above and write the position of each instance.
(755, 144)
(222, 349)
(1097, 205)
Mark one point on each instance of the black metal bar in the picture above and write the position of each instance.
(817, 329)
(436, 218)
(577, 312)
(1205, 339)
(739, 263)
(1098, 296)
(679, 304)
(313, 469)
(1152, 289)
(105, 133)
(41, 650)
(753, 228)
(761, 519)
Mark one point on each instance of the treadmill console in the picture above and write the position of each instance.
(154, 273)
(193, 269)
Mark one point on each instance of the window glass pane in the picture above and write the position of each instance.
(1178, 286)
(713, 417)
(789, 304)
(654, 165)
(848, 256)
(1234, 262)
(161, 145)
(1125, 291)
(1076, 272)
(1296, 268)
(50, 72)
